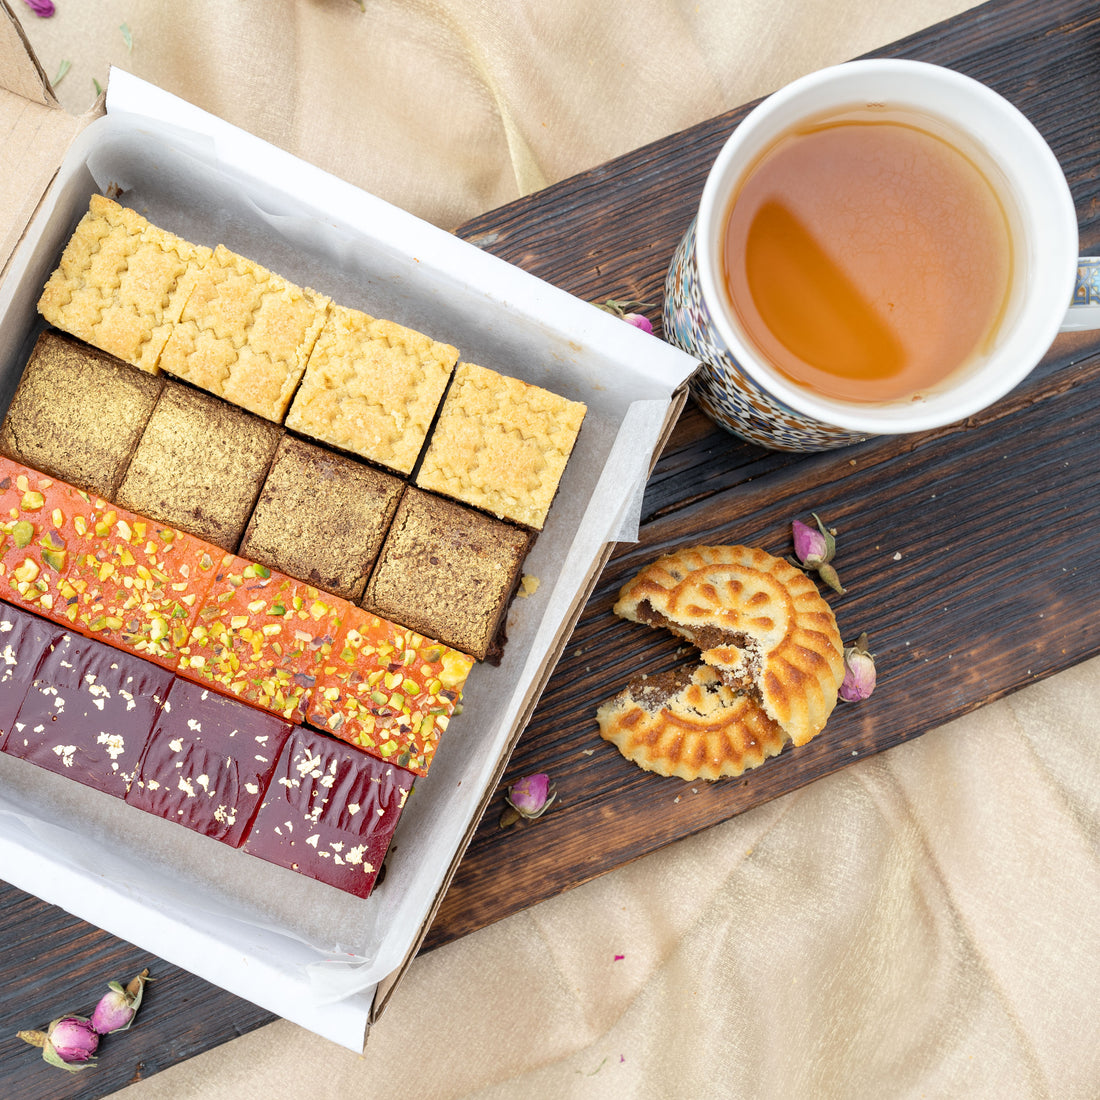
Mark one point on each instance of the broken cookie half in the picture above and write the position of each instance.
(772, 663)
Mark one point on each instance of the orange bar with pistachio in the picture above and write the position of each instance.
(388, 690)
(37, 537)
(135, 583)
(261, 636)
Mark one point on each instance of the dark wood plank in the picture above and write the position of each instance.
(953, 624)
(993, 589)
(52, 964)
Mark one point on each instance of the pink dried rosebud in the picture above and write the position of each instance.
(70, 1042)
(116, 1010)
(859, 672)
(811, 546)
(44, 8)
(529, 797)
(814, 550)
(628, 311)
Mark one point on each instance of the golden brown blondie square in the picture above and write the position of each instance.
(371, 388)
(121, 283)
(501, 444)
(244, 333)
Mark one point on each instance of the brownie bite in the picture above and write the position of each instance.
(78, 413)
(330, 812)
(89, 713)
(25, 640)
(321, 517)
(208, 762)
(501, 445)
(199, 465)
(448, 572)
(371, 387)
(244, 333)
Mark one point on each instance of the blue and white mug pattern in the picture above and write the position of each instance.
(726, 393)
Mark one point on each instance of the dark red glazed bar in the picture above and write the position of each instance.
(208, 762)
(88, 713)
(330, 812)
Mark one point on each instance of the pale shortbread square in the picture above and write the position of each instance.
(121, 283)
(372, 388)
(501, 444)
(244, 334)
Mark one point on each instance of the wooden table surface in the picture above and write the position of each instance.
(964, 551)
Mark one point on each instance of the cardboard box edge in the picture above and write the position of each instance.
(386, 987)
(29, 57)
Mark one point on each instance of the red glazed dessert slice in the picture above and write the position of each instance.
(89, 713)
(261, 636)
(388, 690)
(208, 762)
(330, 812)
(25, 640)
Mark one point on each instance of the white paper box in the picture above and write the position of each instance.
(300, 949)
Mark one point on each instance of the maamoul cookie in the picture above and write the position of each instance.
(501, 445)
(120, 285)
(759, 621)
(689, 724)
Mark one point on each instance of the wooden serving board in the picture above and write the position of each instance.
(965, 553)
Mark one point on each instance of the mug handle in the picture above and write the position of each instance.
(1084, 309)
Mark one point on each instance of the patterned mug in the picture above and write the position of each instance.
(1053, 290)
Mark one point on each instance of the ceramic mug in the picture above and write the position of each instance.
(1053, 290)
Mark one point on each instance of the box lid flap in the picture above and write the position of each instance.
(34, 132)
(20, 72)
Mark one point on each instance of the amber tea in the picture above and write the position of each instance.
(867, 256)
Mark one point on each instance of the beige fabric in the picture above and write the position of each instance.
(925, 923)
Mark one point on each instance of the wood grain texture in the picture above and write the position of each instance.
(963, 552)
(987, 592)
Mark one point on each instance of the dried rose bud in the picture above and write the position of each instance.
(529, 797)
(627, 310)
(116, 1010)
(814, 550)
(44, 8)
(859, 672)
(70, 1042)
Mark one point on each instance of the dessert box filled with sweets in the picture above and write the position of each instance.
(318, 955)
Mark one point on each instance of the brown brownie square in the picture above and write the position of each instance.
(199, 465)
(448, 572)
(321, 517)
(78, 414)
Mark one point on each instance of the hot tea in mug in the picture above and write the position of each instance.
(869, 253)
(882, 246)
